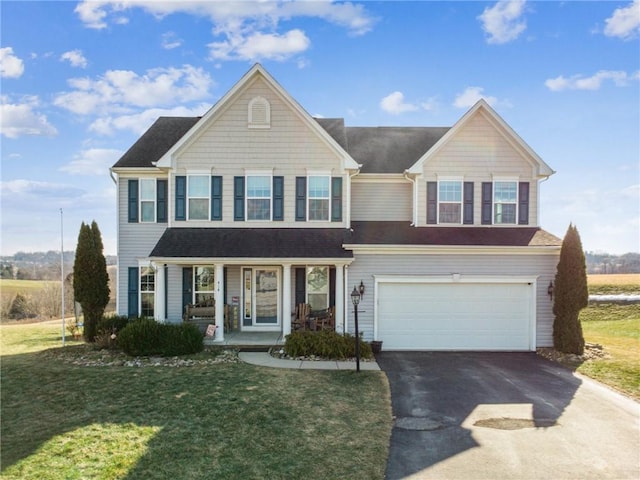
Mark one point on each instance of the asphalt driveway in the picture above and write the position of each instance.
(483, 415)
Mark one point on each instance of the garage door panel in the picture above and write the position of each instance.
(428, 316)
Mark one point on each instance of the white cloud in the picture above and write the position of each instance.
(121, 90)
(394, 103)
(75, 58)
(258, 46)
(471, 95)
(625, 22)
(140, 122)
(10, 65)
(18, 119)
(94, 161)
(594, 82)
(503, 22)
(170, 41)
(22, 189)
(242, 30)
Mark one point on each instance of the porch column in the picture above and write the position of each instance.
(339, 295)
(286, 299)
(346, 298)
(219, 297)
(161, 285)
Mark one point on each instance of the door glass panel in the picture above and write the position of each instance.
(247, 318)
(266, 295)
(318, 287)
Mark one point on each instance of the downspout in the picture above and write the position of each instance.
(115, 181)
(414, 181)
(349, 195)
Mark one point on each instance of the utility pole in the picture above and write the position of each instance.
(62, 275)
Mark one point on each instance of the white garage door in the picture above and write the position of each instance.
(455, 316)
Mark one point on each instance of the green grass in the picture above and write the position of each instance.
(617, 329)
(22, 286)
(221, 421)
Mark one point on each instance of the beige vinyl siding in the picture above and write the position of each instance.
(381, 201)
(478, 153)
(135, 242)
(289, 148)
(366, 266)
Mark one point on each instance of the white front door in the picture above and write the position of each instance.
(261, 298)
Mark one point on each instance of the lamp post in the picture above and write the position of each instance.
(355, 298)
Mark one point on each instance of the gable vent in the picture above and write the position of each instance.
(259, 113)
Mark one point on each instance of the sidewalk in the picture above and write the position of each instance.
(263, 359)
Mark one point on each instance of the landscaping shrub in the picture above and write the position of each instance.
(326, 344)
(145, 337)
(113, 323)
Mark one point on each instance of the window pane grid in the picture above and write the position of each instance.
(319, 187)
(318, 287)
(147, 291)
(258, 187)
(147, 200)
(505, 202)
(204, 285)
(450, 202)
(259, 197)
(198, 192)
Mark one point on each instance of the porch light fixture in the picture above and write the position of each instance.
(361, 289)
(355, 298)
(550, 290)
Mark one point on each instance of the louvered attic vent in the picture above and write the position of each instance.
(259, 113)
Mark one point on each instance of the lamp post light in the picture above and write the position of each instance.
(355, 298)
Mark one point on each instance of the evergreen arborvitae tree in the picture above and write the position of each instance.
(570, 295)
(90, 278)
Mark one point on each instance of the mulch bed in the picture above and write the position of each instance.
(592, 351)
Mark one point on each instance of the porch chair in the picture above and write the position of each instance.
(301, 317)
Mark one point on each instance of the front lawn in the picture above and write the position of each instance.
(217, 421)
(617, 329)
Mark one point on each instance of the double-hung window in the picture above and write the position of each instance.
(148, 200)
(147, 291)
(204, 285)
(319, 197)
(258, 197)
(505, 202)
(450, 201)
(198, 190)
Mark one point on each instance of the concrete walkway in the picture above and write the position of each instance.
(263, 359)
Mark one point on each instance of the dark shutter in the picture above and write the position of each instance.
(187, 287)
(278, 199)
(523, 203)
(181, 197)
(332, 287)
(301, 199)
(336, 199)
(238, 199)
(133, 201)
(216, 198)
(161, 201)
(467, 203)
(432, 203)
(133, 291)
(487, 202)
(166, 291)
(301, 285)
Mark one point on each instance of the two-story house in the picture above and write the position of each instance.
(259, 205)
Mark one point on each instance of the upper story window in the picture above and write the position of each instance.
(147, 199)
(450, 202)
(198, 197)
(258, 197)
(505, 202)
(259, 113)
(319, 197)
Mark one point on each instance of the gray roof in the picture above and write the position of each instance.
(253, 243)
(402, 233)
(156, 141)
(377, 149)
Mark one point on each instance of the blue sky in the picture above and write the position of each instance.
(82, 81)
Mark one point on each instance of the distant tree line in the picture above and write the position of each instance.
(40, 265)
(605, 263)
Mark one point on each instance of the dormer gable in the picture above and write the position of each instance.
(539, 168)
(258, 116)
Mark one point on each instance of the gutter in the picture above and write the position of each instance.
(414, 181)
